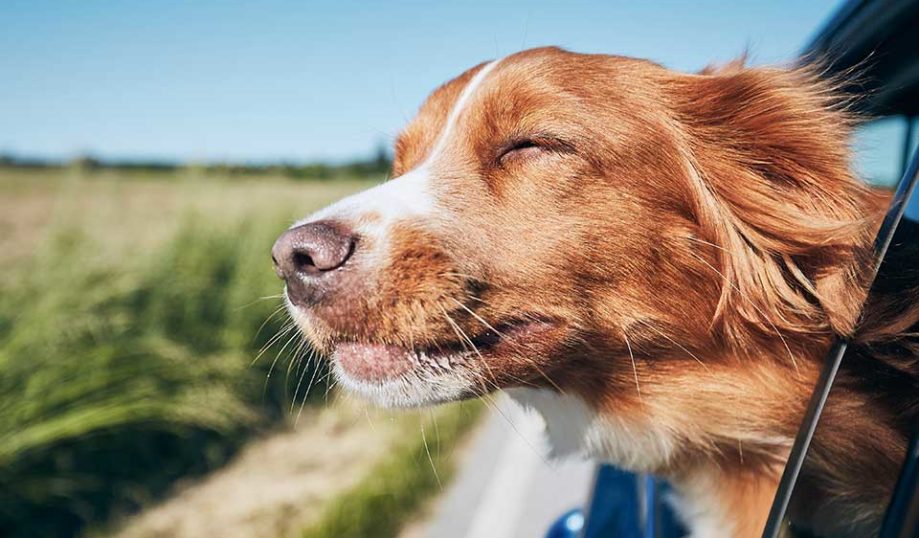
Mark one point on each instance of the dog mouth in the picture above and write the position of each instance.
(370, 362)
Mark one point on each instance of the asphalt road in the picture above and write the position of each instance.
(506, 488)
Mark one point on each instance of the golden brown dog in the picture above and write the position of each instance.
(655, 261)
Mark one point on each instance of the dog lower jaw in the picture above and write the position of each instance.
(415, 388)
(398, 377)
(379, 363)
(395, 377)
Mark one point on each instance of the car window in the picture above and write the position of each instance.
(870, 412)
(881, 148)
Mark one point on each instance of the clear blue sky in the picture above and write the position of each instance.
(229, 80)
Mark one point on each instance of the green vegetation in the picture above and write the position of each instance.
(398, 486)
(377, 165)
(118, 380)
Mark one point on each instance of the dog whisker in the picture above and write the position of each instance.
(778, 333)
(489, 399)
(284, 331)
(274, 362)
(634, 367)
(502, 336)
(696, 239)
(677, 344)
(280, 308)
(516, 345)
(255, 301)
(464, 339)
(427, 451)
(294, 358)
(302, 369)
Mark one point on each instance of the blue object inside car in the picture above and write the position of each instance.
(622, 505)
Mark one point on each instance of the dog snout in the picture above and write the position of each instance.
(311, 253)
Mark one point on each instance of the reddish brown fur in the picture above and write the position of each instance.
(696, 240)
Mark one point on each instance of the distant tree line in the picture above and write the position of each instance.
(379, 164)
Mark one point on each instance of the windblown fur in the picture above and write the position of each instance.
(657, 261)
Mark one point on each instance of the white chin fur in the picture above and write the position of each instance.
(415, 389)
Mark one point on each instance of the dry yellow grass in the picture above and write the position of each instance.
(280, 483)
(125, 212)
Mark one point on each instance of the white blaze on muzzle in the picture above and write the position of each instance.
(371, 213)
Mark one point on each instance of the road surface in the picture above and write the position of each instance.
(506, 488)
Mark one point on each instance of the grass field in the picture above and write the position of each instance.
(132, 308)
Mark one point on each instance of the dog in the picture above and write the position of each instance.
(656, 262)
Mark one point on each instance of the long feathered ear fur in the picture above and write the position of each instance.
(767, 158)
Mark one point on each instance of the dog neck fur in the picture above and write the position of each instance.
(574, 429)
(708, 498)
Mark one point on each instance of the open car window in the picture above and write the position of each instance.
(876, 360)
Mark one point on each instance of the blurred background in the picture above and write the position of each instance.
(150, 153)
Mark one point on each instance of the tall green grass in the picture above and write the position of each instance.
(115, 380)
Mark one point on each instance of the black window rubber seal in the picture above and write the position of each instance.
(834, 359)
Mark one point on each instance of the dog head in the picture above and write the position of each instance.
(594, 225)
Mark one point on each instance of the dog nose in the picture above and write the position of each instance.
(312, 250)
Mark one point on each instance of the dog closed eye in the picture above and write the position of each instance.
(526, 148)
(519, 149)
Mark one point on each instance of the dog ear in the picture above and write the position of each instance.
(767, 157)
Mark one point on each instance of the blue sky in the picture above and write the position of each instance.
(242, 81)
